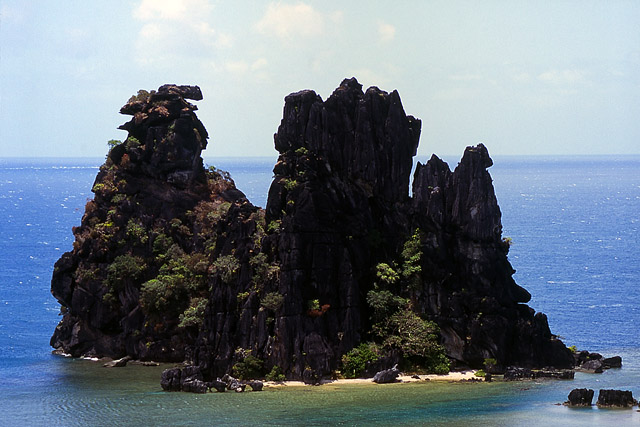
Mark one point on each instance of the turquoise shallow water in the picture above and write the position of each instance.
(574, 223)
(77, 392)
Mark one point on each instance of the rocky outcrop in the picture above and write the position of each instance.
(187, 379)
(137, 280)
(616, 399)
(595, 363)
(171, 262)
(386, 376)
(580, 397)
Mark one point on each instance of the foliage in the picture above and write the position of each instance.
(313, 304)
(573, 349)
(163, 295)
(386, 274)
(227, 266)
(397, 327)
(219, 173)
(194, 314)
(302, 151)
(132, 142)
(136, 231)
(118, 198)
(272, 301)
(275, 375)
(416, 338)
(249, 367)
(411, 255)
(242, 296)
(289, 184)
(113, 142)
(142, 96)
(489, 361)
(218, 212)
(274, 226)
(480, 373)
(355, 362)
(124, 267)
(384, 304)
(161, 244)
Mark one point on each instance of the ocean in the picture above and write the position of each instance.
(574, 223)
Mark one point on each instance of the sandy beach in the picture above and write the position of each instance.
(451, 376)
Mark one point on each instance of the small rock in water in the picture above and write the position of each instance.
(580, 397)
(593, 366)
(612, 362)
(616, 399)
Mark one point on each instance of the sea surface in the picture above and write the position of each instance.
(574, 222)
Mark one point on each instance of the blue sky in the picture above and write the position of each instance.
(523, 77)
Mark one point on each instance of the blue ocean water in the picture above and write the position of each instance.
(574, 223)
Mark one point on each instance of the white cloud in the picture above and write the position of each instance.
(286, 21)
(174, 29)
(386, 32)
(563, 77)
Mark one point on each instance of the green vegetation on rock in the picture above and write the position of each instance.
(355, 362)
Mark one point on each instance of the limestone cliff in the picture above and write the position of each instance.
(172, 262)
(137, 280)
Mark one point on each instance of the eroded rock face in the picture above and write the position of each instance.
(468, 287)
(223, 283)
(137, 277)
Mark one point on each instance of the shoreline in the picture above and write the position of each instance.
(450, 377)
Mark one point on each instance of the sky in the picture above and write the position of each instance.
(541, 77)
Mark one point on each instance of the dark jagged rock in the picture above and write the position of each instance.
(616, 399)
(118, 363)
(172, 263)
(135, 283)
(592, 366)
(256, 385)
(188, 379)
(195, 386)
(171, 379)
(557, 374)
(514, 373)
(580, 397)
(612, 362)
(219, 385)
(386, 376)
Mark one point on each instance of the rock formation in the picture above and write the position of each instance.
(580, 397)
(136, 282)
(616, 399)
(171, 261)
